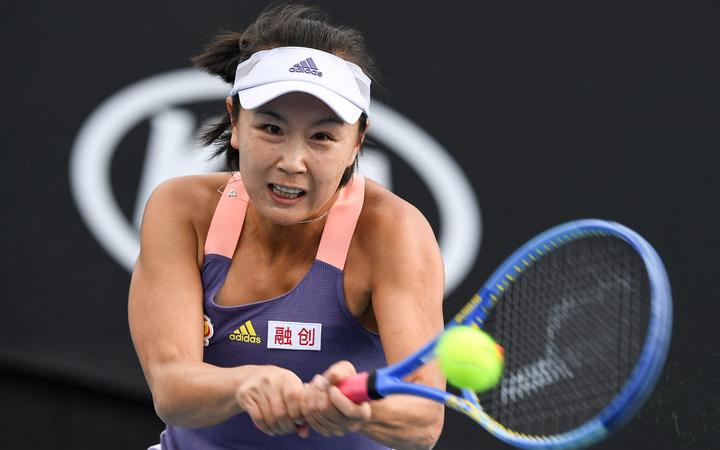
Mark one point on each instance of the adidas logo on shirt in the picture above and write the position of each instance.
(246, 333)
(306, 66)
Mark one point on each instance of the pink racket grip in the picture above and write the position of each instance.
(356, 388)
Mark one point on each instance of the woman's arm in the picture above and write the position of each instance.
(166, 322)
(407, 285)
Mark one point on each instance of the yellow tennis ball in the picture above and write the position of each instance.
(470, 358)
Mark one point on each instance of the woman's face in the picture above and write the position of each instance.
(293, 152)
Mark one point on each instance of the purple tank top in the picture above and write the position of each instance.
(304, 330)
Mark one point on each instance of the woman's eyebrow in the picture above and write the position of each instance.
(321, 121)
(273, 114)
(329, 119)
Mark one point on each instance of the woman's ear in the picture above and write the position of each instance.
(233, 123)
(229, 106)
(361, 136)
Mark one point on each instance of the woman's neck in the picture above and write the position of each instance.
(276, 240)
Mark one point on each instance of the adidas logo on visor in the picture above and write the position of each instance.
(306, 66)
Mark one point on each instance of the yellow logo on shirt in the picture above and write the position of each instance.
(246, 333)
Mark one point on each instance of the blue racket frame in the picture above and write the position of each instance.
(388, 380)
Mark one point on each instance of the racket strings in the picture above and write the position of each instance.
(572, 326)
(536, 375)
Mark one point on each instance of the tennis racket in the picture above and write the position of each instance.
(583, 312)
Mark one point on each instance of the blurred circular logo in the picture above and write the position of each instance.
(208, 330)
(163, 101)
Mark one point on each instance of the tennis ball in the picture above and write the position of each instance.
(469, 358)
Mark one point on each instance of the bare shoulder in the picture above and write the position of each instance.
(395, 237)
(386, 216)
(187, 194)
(184, 203)
(190, 197)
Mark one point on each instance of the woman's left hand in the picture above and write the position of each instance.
(327, 410)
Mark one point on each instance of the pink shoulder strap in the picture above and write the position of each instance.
(228, 219)
(340, 224)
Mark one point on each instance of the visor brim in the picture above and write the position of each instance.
(257, 96)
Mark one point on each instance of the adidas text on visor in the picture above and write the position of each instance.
(269, 74)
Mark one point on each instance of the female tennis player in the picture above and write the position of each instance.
(258, 290)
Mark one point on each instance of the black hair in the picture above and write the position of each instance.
(279, 25)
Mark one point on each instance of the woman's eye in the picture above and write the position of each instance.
(272, 129)
(322, 137)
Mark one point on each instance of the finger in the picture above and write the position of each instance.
(274, 412)
(316, 425)
(251, 407)
(328, 415)
(356, 412)
(331, 427)
(282, 423)
(320, 382)
(323, 410)
(339, 371)
(310, 411)
(314, 422)
(303, 431)
(268, 417)
(350, 409)
(292, 395)
(322, 425)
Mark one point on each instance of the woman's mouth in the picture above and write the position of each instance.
(286, 192)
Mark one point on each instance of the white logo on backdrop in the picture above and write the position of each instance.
(171, 152)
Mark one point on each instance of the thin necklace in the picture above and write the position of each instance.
(221, 189)
(315, 219)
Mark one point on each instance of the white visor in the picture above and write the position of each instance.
(269, 74)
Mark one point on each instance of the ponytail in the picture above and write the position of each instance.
(221, 56)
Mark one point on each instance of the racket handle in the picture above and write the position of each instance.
(356, 387)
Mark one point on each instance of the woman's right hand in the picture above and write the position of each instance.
(272, 397)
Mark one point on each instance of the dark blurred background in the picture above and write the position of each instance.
(539, 111)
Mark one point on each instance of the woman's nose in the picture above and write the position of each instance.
(292, 159)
